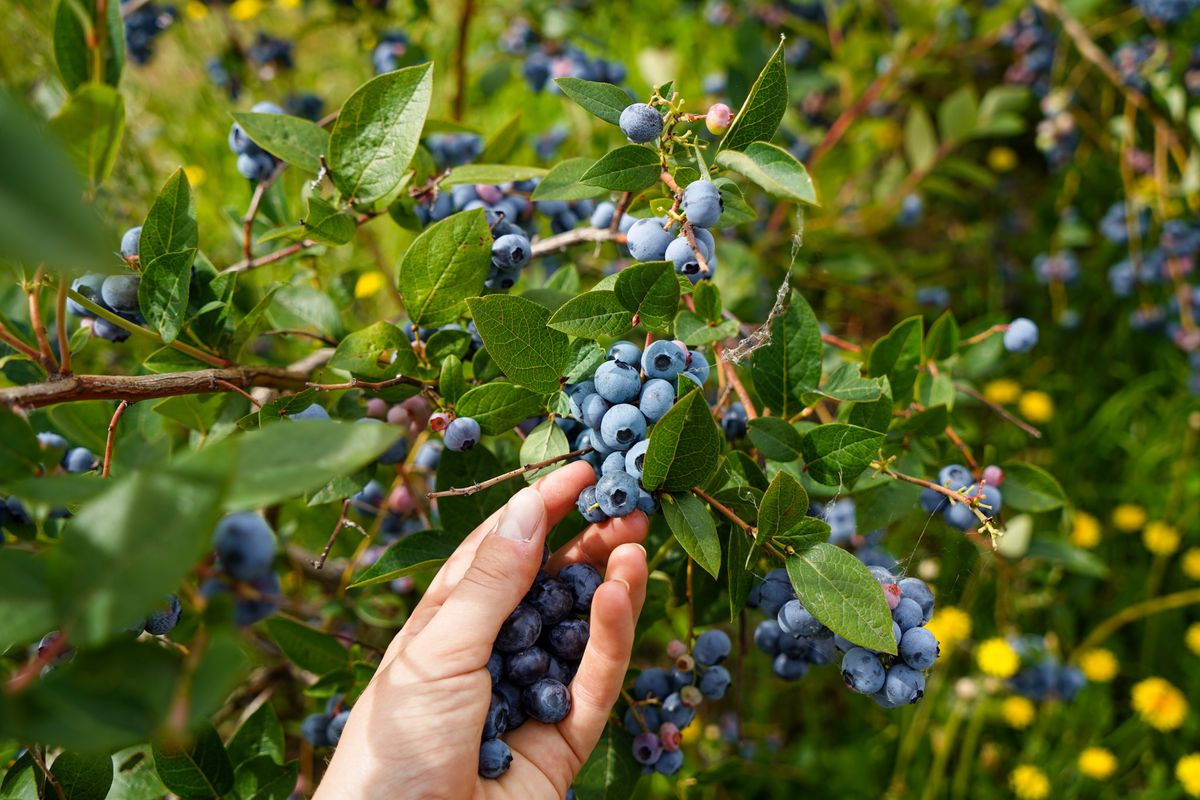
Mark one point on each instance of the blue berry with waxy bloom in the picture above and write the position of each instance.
(714, 682)
(789, 668)
(79, 459)
(160, 623)
(1021, 335)
(734, 422)
(495, 757)
(336, 726)
(904, 684)
(675, 711)
(495, 667)
(670, 763)
(461, 434)
(520, 631)
(647, 504)
(617, 382)
(568, 639)
(663, 359)
(314, 729)
(907, 614)
(553, 600)
(511, 251)
(680, 253)
(584, 580)
(588, 507)
(702, 203)
(640, 123)
(245, 545)
(656, 399)
(697, 368)
(547, 701)
(129, 242)
(602, 216)
(626, 352)
(647, 749)
(622, 426)
(796, 620)
(647, 240)
(89, 286)
(919, 648)
(650, 719)
(654, 682)
(712, 647)
(120, 293)
(766, 636)
(594, 407)
(496, 721)
(617, 493)
(525, 666)
(954, 477)
(918, 591)
(314, 411)
(635, 458)
(613, 462)
(862, 671)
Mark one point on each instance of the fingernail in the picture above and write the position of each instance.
(625, 583)
(522, 516)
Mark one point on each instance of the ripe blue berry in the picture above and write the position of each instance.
(245, 546)
(697, 368)
(461, 434)
(766, 636)
(622, 426)
(120, 293)
(594, 408)
(647, 240)
(511, 251)
(494, 758)
(584, 580)
(1021, 336)
(680, 253)
(795, 619)
(702, 203)
(954, 477)
(646, 503)
(588, 506)
(160, 623)
(129, 242)
(670, 762)
(626, 352)
(495, 667)
(640, 123)
(617, 382)
(311, 412)
(918, 591)
(602, 216)
(904, 685)
(634, 459)
(712, 647)
(657, 398)
(907, 614)
(654, 682)
(714, 682)
(862, 671)
(520, 631)
(496, 721)
(613, 462)
(933, 502)
(568, 639)
(646, 748)
(547, 701)
(663, 359)
(553, 600)
(617, 493)
(788, 667)
(89, 286)
(733, 423)
(675, 711)
(79, 459)
(336, 726)
(313, 729)
(526, 666)
(919, 648)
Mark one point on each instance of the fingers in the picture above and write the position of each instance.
(597, 541)
(459, 637)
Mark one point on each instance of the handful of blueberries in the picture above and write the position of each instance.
(535, 657)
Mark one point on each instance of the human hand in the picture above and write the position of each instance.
(415, 731)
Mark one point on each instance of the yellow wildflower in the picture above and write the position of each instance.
(1085, 530)
(1018, 712)
(1098, 665)
(1192, 638)
(1187, 772)
(196, 10)
(1036, 406)
(1159, 704)
(369, 283)
(1160, 538)
(196, 175)
(1129, 517)
(1191, 563)
(996, 657)
(1029, 783)
(949, 625)
(1097, 763)
(1002, 391)
(243, 10)
(1002, 159)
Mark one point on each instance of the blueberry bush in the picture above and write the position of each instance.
(883, 314)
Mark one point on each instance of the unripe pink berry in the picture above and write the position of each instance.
(400, 501)
(418, 409)
(489, 194)
(670, 736)
(718, 119)
(377, 408)
(684, 663)
(993, 475)
(891, 593)
(691, 696)
(675, 649)
(398, 415)
(438, 422)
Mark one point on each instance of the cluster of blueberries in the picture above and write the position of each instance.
(1136, 61)
(453, 149)
(795, 639)
(1041, 676)
(115, 293)
(959, 479)
(625, 396)
(545, 61)
(245, 548)
(254, 163)
(58, 454)
(270, 54)
(1058, 133)
(1191, 75)
(142, 26)
(1033, 45)
(666, 700)
(325, 729)
(535, 657)
(1167, 11)
(389, 51)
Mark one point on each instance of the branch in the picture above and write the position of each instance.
(730, 515)
(556, 244)
(1135, 612)
(1000, 410)
(112, 436)
(60, 322)
(467, 491)
(985, 334)
(35, 321)
(132, 388)
(370, 386)
(734, 380)
(841, 344)
(121, 322)
(12, 341)
(256, 199)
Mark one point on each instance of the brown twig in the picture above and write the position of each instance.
(962, 448)
(112, 436)
(36, 754)
(1000, 410)
(467, 491)
(46, 354)
(343, 521)
(233, 388)
(556, 244)
(841, 344)
(121, 322)
(256, 199)
(300, 332)
(270, 258)
(732, 516)
(12, 341)
(371, 386)
(985, 334)
(734, 380)
(60, 322)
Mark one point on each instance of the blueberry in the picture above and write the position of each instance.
(617, 493)
(657, 398)
(79, 459)
(313, 729)
(697, 368)
(733, 422)
(622, 426)
(822, 651)
(512, 694)
(511, 251)
(640, 123)
(663, 359)
(789, 668)
(1021, 336)
(336, 726)
(795, 619)
(602, 217)
(933, 502)
(680, 253)
(904, 685)
(369, 499)
(247, 611)
(617, 382)
(919, 648)
(584, 580)
(160, 623)
(495, 667)
(633, 460)
(547, 701)
(711, 647)
(311, 412)
(650, 720)
(588, 506)
(714, 682)
(120, 293)
(520, 630)
(918, 591)
(647, 240)
(646, 503)
(626, 352)
(675, 711)
(654, 682)
(245, 545)
(990, 499)
(669, 763)
(52, 441)
(568, 639)
(843, 644)
(766, 636)
(553, 600)
(646, 748)
(257, 167)
(773, 595)
(594, 408)
(907, 614)
(702, 203)
(89, 286)
(129, 242)
(494, 758)
(526, 666)
(496, 721)
(613, 462)
(1070, 681)
(461, 434)
(862, 671)
(954, 477)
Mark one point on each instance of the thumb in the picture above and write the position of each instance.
(461, 634)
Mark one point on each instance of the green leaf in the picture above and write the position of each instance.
(71, 52)
(803, 535)
(739, 578)
(1028, 487)
(836, 454)
(630, 168)
(163, 291)
(91, 124)
(586, 355)
(502, 143)
(83, 776)
(692, 525)
(651, 291)
(326, 224)
(23, 781)
(260, 735)
(684, 448)
(307, 648)
(498, 407)
(784, 505)
(545, 441)
(201, 770)
(491, 174)
(708, 301)
(736, 210)
(837, 589)
(459, 470)
(118, 560)
(170, 224)
(20, 453)
(791, 363)
(375, 353)
(846, 384)
(136, 778)
(774, 169)
(604, 100)
(957, 114)
(920, 141)
(610, 773)
(942, 340)
(377, 132)
(307, 306)
(692, 330)
(444, 266)
(447, 342)
(562, 182)
(295, 140)
(592, 315)
(763, 110)
(775, 438)
(413, 553)
(514, 331)
(451, 383)
(26, 605)
(263, 779)
(898, 355)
